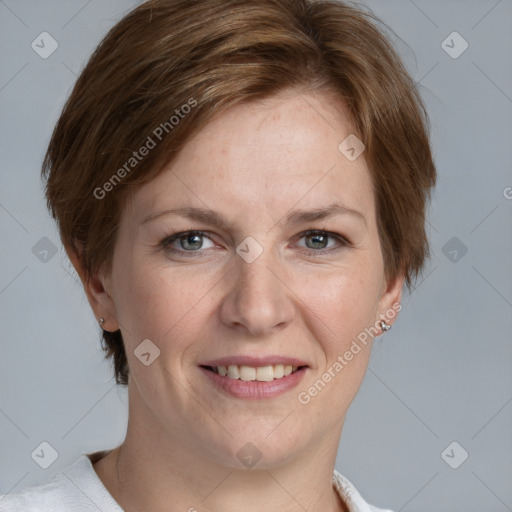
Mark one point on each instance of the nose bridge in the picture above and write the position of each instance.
(256, 278)
(256, 281)
(256, 258)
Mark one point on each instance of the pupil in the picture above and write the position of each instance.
(317, 237)
(190, 237)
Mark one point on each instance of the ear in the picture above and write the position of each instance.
(391, 298)
(97, 289)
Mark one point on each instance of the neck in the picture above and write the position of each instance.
(153, 469)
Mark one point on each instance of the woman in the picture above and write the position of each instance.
(241, 186)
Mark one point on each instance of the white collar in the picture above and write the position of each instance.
(345, 488)
(350, 495)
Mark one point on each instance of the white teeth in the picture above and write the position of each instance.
(278, 371)
(247, 373)
(262, 373)
(265, 373)
(233, 372)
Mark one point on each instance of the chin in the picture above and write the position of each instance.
(267, 447)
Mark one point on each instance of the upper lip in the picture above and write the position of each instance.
(254, 362)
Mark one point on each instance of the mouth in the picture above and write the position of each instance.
(266, 373)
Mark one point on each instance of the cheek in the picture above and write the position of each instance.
(159, 303)
(341, 311)
(343, 303)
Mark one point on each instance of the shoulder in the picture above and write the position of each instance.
(351, 496)
(75, 488)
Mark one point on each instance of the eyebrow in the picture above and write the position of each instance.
(215, 219)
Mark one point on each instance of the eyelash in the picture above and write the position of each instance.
(166, 243)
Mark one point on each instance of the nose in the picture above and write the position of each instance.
(258, 300)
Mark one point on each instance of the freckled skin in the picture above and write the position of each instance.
(253, 164)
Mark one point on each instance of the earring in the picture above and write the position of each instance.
(102, 321)
(384, 326)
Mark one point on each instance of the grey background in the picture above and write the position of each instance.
(442, 374)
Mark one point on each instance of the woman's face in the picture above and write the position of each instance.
(258, 282)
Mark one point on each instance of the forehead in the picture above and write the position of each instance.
(265, 156)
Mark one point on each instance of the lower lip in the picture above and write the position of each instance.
(255, 389)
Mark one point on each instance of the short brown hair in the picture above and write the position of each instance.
(211, 55)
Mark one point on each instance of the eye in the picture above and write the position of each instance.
(187, 242)
(317, 241)
(191, 243)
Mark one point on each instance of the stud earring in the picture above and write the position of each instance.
(102, 321)
(384, 326)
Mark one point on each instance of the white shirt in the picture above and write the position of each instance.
(77, 488)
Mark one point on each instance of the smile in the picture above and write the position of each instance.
(250, 373)
(253, 382)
